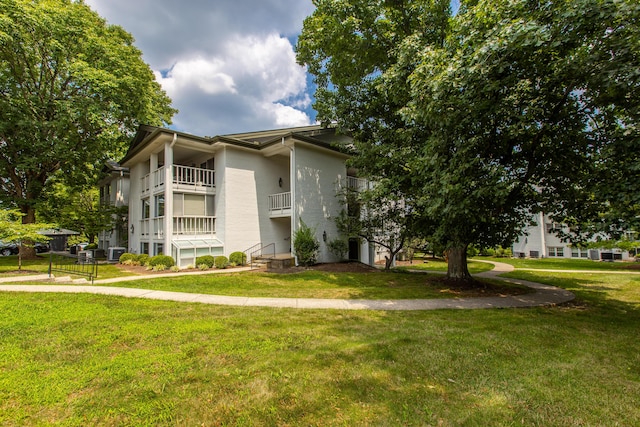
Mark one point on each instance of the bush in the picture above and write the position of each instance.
(142, 259)
(207, 260)
(127, 257)
(305, 245)
(338, 248)
(221, 261)
(238, 258)
(175, 268)
(164, 260)
(203, 267)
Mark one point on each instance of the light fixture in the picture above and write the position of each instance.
(324, 236)
(280, 182)
(132, 229)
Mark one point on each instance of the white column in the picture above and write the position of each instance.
(168, 196)
(543, 235)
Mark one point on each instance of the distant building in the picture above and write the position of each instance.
(541, 241)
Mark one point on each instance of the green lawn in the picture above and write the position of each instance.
(440, 265)
(9, 266)
(562, 263)
(315, 284)
(78, 360)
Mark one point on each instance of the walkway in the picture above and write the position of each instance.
(544, 295)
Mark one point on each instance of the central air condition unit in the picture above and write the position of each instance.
(113, 254)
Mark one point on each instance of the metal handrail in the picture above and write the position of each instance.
(258, 250)
(72, 264)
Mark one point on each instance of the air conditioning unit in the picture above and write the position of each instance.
(113, 254)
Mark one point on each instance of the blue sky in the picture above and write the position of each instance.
(228, 65)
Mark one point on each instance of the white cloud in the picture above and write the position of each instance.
(227, 65)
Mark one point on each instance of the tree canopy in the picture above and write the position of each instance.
(73, 89)
(488, 115)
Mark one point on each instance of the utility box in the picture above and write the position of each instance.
(113, 253)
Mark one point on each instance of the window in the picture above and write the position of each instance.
(193, 205)
(579, 253)
(144, 248)
(159, 202)
(555, 251)
(158, 248)
(146, 210)
(552, 227)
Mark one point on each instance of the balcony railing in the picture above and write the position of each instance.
(191, 225)
(280, 204)
(186, 175)
(182, 176)
(356, 184)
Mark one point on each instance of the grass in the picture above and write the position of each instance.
(318, 284)
(440, 265)
(9, 266)
(562, 263)
(99, 360)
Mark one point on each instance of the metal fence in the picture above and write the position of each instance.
(80, 265)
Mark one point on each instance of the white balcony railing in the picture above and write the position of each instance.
(186, 175)
(280, 203)
(144, 227)
(191, 225)
(158, 227)
(182, 176)
(357, 184)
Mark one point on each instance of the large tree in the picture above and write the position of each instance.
(73, 89)
(488, 115)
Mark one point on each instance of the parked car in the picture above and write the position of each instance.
(41, 247)
(7, 249)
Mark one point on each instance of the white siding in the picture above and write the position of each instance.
(317, 175)
(248, 181)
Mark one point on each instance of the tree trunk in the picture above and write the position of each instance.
(27, 250)
(457, 263)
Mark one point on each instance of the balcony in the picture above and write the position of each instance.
(356, 184)
(194, 225)
(280, 205)
(185, 178)
(182, 225)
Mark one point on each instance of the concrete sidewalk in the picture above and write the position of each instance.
(544, 295)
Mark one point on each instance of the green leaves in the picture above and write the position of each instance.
(72, 91)
(485, 117)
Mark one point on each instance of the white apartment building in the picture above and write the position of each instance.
(114, 192)
(191, 196)
(541, 241)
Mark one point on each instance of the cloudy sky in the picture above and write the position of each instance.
(228, 65)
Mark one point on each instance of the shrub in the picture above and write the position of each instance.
(338, 248)
(238, 258)
(127, 257)
(142, 259)
(159, 267)
(208, 260)
(203, 267)
(165, 260)
(305, 245)
(221, 261)
(175, 268)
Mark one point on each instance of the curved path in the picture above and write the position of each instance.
(544, 295)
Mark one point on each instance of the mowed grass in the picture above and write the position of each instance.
(9, 267)
(564, 264)
(78, 360)
(440, 265)
(320, 284)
